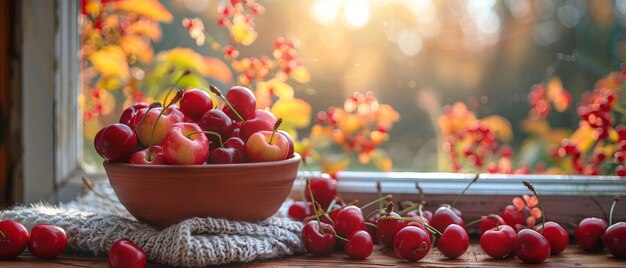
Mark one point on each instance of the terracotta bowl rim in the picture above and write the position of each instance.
(296, 158)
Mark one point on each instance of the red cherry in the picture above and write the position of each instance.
(13, 239)
(453, 242)
(223, 155)
(614, 239)
(489, 223)
(421, 226)
(195, 103)
(243, 101)
(290, 140)
(499, 242)
(556, 235)
(141, 157)
(115, 143)
(445, 216)
(239, 145)
(217, 121)
(349, 220)
(531, 247)
(47, 241)
(300, 210)
(388, 226)
(324, 189)
(588, 233)
(411, 243)
(263, 120)
(130, 112)
(359, 246)
(512, 216)
(125, 254)
(316, 242)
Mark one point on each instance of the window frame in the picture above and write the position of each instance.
(64, 172)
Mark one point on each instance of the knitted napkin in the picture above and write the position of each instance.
(94, 222)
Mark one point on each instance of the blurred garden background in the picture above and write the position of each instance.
(455, 85)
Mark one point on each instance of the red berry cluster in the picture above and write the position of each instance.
(361, 126)
(538, 100)
(195, 133)
(239, 7)
(44, 241)
(478, 144)
(595, 109)
(286, 56)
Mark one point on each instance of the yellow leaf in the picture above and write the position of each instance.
(584, 137)
(332, 164)
(242, 32)
(110, 61)
(538, 127)
(137, 46)
(274, 87)
(219, 70)
(300, 74)
(149, 8)
(500, 126)
(145, 27)
(185, 58)
(294, 112)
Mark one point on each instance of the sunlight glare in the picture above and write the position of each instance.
(325, 11)
(356, 12)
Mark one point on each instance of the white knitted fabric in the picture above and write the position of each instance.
(93, 224)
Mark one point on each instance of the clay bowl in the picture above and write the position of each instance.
(161, 195)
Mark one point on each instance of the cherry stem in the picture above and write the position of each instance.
(314, 207)
(426, 225)
(493, 218)
(217, 92)
(152, 106)
(615, 200)
(466, 187)
(419, 209)
(371, 225)
(379, 200)
(409, 208)
(185, 73)
(341, 238)
(4, 237)
(420, 192)
(373, 212)
(175, 99)
(330, 206)
(219, 137)
(379, 191)
(479, 220)
(278, 122)
(543, 213)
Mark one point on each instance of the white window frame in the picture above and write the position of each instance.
(53, 74)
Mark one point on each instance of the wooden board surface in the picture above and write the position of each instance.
(474, 257)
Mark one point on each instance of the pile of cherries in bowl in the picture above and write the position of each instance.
(189, 130)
